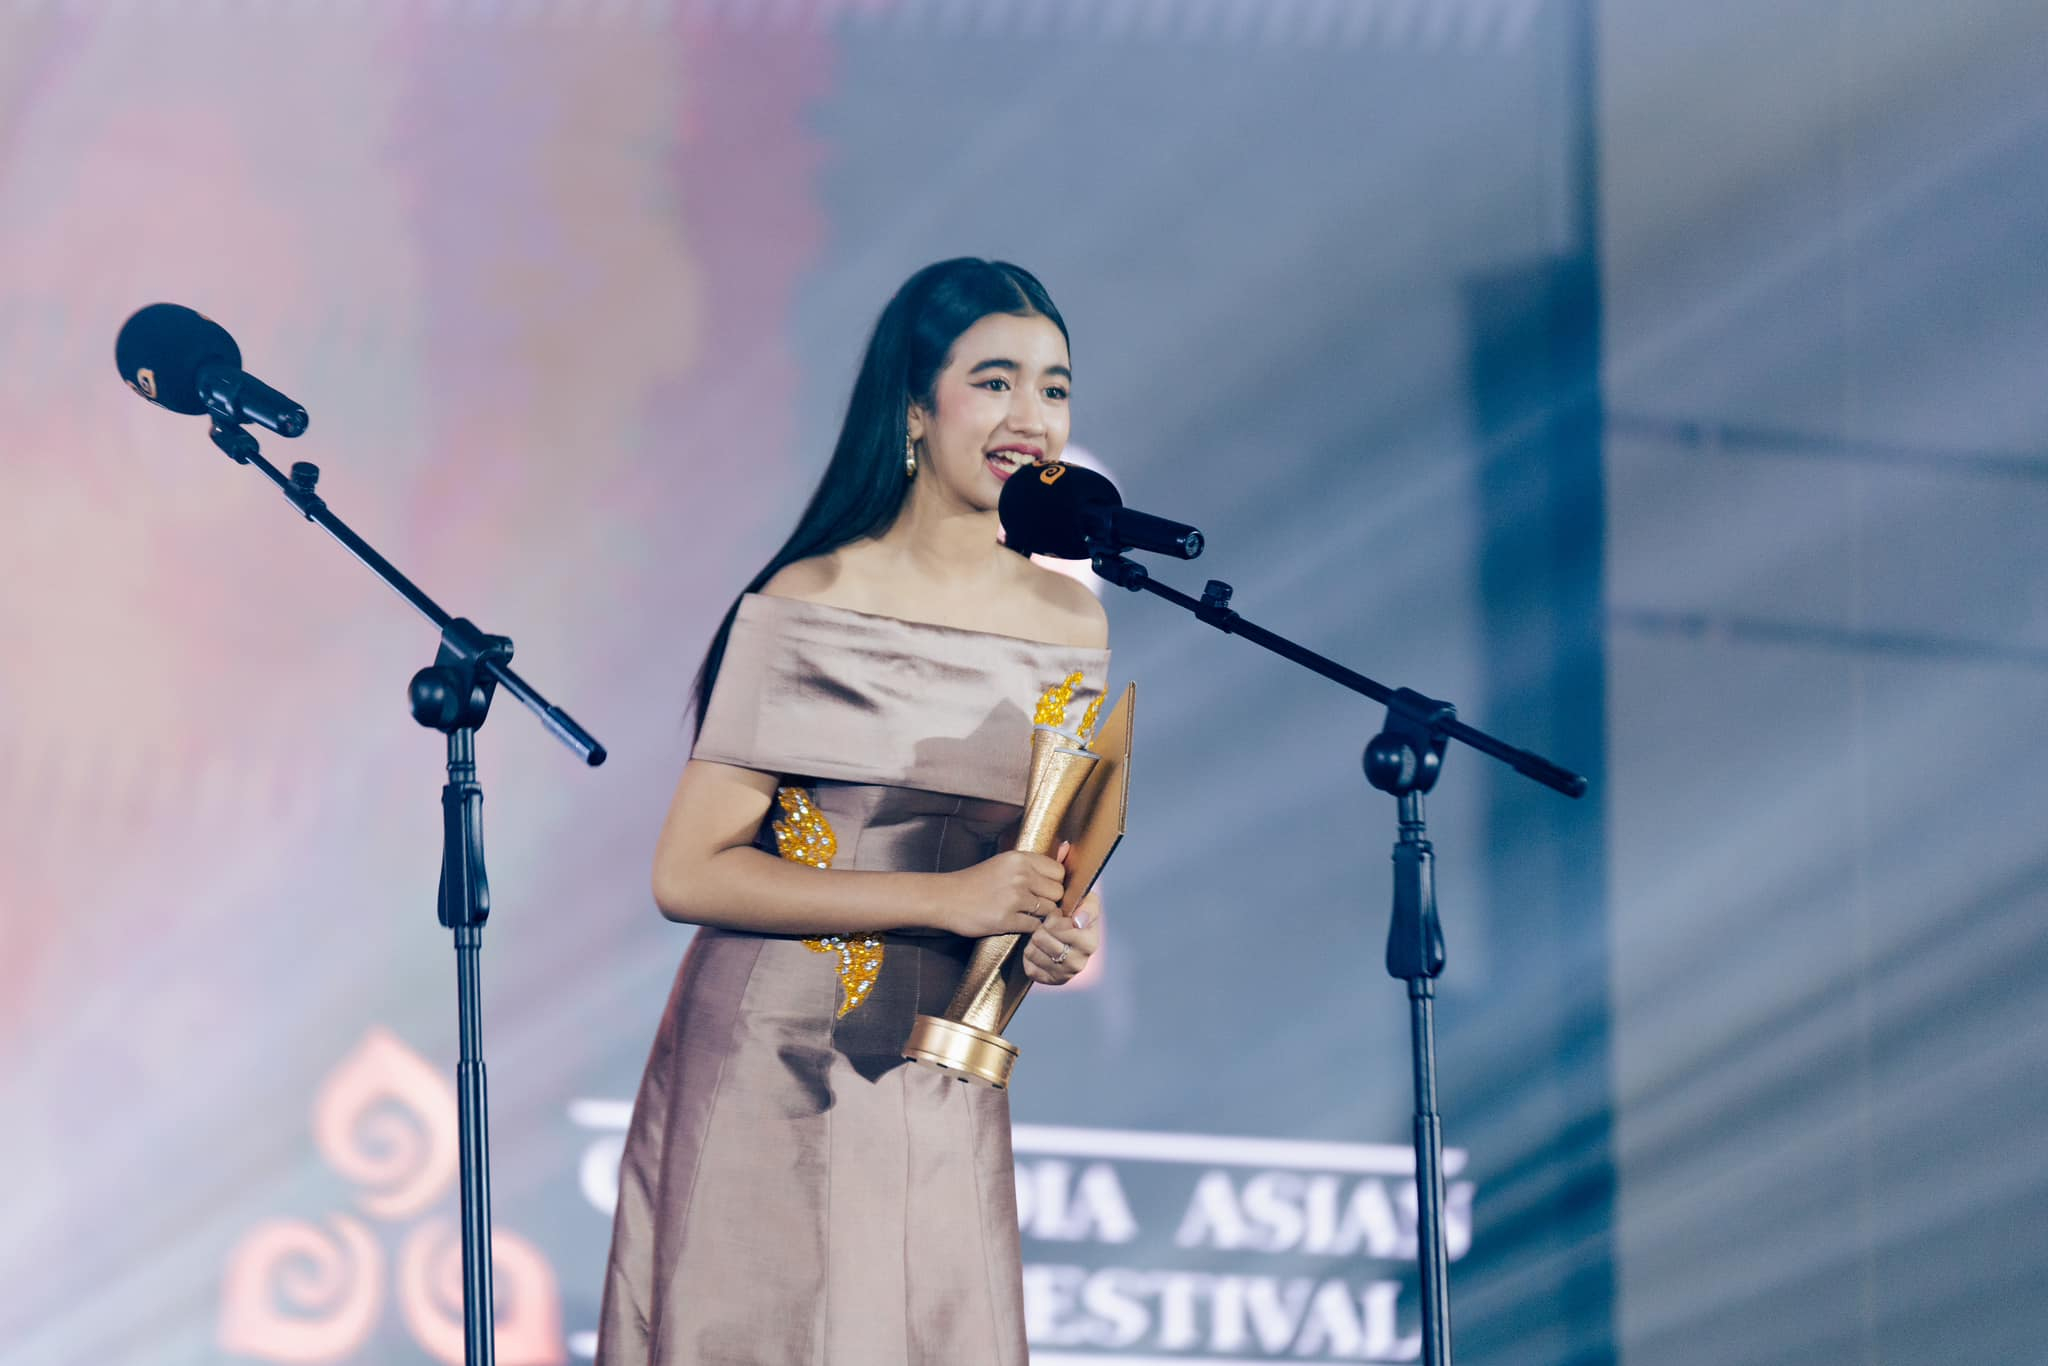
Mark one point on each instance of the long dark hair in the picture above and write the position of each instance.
(864, 485)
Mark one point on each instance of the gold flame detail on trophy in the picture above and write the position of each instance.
(1052, 710)
(967, 1041)
(805, 836)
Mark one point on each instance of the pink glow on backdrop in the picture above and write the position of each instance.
(533, 282)
(298, 1291)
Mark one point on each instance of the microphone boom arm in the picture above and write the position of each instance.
(299, 491)
(1213, 607)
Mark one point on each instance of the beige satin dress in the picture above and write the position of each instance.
(793, 1193)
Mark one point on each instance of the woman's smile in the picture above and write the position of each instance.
(1005, 461)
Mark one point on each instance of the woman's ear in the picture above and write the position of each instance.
(914, 420)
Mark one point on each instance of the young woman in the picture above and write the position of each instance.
(793, 1193)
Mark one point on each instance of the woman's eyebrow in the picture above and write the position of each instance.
(999, 363)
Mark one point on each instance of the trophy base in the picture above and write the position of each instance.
(962, 1051)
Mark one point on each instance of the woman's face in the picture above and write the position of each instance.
(999, 405)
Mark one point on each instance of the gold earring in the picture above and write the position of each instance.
(909, 456)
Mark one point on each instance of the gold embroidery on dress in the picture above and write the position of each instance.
(803, 835)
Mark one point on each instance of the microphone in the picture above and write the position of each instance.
(187, 362)
(1073, 513)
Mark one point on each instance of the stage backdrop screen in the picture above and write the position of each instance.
(574, 291)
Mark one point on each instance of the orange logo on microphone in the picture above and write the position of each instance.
(1051, 474)
(145, 380)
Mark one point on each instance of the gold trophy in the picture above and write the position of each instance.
(1077, 790)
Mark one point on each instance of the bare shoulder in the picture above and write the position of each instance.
(1068, 611)
(811, 580)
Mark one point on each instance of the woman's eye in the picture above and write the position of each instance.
(1056, 392)
(995, 386)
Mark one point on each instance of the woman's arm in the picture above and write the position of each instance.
(708, 872)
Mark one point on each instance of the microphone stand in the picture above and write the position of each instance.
(452, 695)
(1404, 760)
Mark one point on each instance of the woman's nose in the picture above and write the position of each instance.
(1027, 412)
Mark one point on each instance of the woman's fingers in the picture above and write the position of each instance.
(1049, 887)
(1059, 932)
(1038, 883)
(1059, 949)
(1043, 865)
(1040, 967)
(1041, 899)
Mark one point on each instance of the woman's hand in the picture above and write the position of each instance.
(1011, 893)
(1061, 947)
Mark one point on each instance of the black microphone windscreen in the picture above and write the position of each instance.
(161, 350)
(1046, 509)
